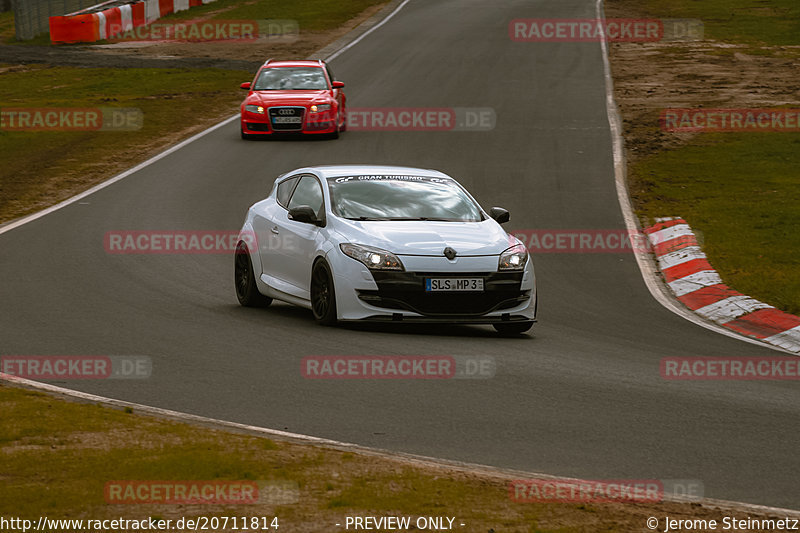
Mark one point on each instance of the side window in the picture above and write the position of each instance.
(330, 72)
(285, 190)
(308, 192)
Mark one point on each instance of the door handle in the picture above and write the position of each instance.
(274, 230)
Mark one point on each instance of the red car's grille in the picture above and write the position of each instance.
(287, 118)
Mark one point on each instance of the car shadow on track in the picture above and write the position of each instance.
(291, 137)
(297, 318)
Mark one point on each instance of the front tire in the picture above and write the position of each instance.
(245, 136)
(245, 281)
(323, 295)
(512, 328)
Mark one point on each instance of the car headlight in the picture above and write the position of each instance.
(514, 258)
(254, 109)
(318, 108)
(373, 258)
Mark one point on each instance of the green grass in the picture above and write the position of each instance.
(34, 163)
(742, 191)
(771, 22)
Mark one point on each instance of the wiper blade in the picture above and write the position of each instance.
(366, 218)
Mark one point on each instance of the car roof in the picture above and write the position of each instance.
(295, 63)
(333, 171)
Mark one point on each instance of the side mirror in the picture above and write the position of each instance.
(500, 215)
(245, 86)
(338, 85)
(304, 214)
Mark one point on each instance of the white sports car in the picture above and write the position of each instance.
(383, 243)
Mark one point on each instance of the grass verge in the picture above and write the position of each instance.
(769, 22)
(311, 15)
(740, 190)
(41, 168)
(58, 456)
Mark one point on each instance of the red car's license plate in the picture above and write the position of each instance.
(287, 120)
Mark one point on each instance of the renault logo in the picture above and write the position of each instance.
(450, 253)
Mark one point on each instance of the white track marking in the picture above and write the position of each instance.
(125, 174)
(111, 181)
(650, 273)
(372, 29)
(420, 460)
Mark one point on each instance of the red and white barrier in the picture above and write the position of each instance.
(109, 19)
(699, 287)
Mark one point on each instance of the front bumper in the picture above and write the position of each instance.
(261, 124)
(401, 296)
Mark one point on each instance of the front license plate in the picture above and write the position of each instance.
(454, 284)
(287, 120)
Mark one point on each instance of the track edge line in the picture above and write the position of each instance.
(647, 267)
(504, 474)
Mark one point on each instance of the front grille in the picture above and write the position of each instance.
(406, 291)
(277, 116)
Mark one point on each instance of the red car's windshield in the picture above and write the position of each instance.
(291, 78)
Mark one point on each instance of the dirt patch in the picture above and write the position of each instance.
(651, 77)
(229, 55)
(257, 51)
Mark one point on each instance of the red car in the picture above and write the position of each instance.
(293, 97)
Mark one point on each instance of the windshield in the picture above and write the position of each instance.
(401, 198)
(291, 78)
